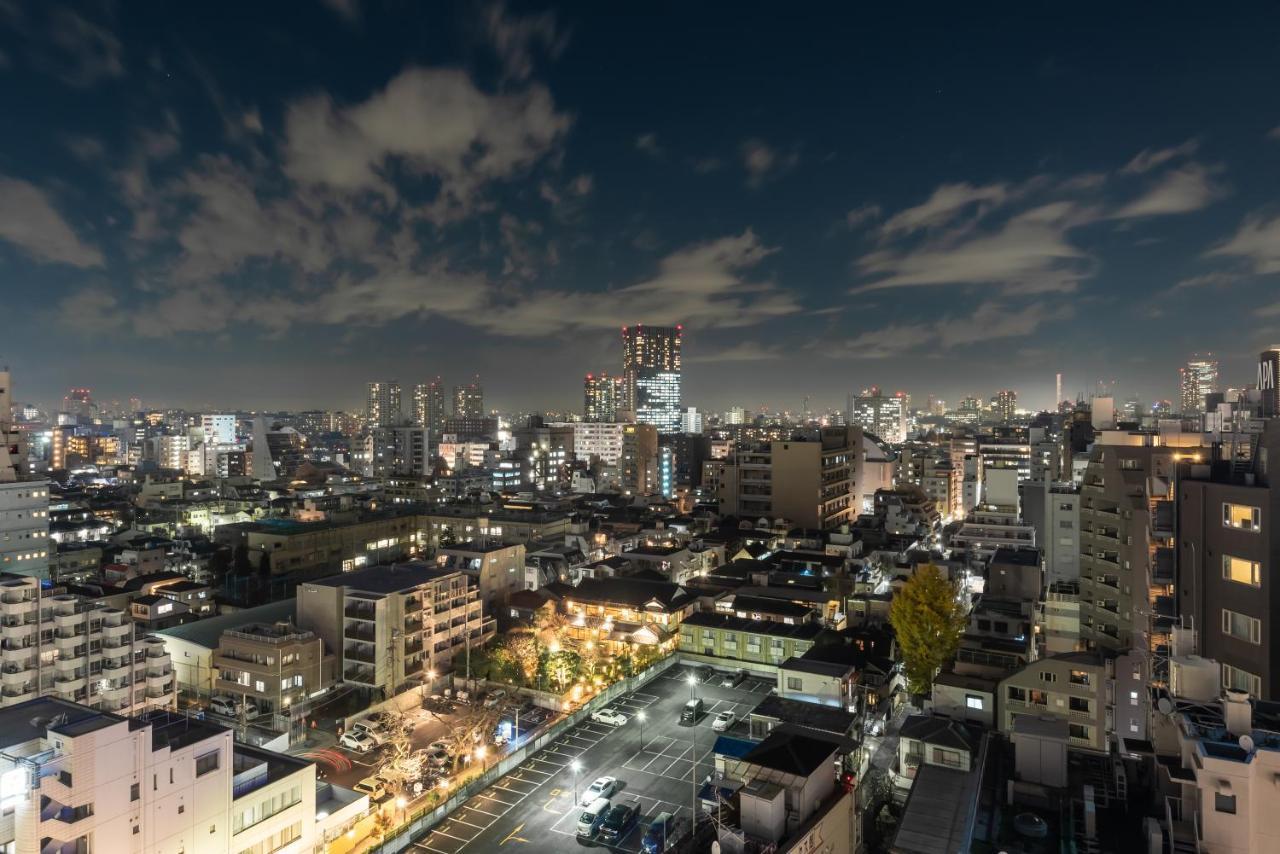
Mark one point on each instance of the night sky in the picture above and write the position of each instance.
(268, 204)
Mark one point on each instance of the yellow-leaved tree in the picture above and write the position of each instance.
(928, 618)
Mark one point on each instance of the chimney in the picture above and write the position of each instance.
(1238, 712)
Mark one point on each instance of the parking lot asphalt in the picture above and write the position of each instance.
(533, 809)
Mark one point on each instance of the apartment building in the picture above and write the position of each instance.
(393, 626)
(78, 780)
(62, 645)
(318, 548)
(1125, 525)
(24, 525)
(1227, 581)
(638, 463)
(276, 665)
(1075, 687)
(813, 482)
(496, 569)
(761, 642)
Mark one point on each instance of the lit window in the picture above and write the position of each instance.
(1242, 571)
(1242, 517)
(973, 701)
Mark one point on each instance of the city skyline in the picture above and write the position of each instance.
(168, 203)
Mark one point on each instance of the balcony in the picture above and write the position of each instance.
(354, 611)
(358, 632)
(360, 675)
(355, 653)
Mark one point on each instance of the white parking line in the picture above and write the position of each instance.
(461, 839)
(467, 823)
(427, 847)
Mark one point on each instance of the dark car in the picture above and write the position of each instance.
(618, 823)
(732, 680)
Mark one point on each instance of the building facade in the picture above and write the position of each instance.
(601, 394)
(651, 375)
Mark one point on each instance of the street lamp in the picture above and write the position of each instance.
(640, 715)
(401, 803)
(575, 766)
(692, 682)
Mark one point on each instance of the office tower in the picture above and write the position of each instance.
(639, 459)
(1126, 535)
(218, 429)
(1005, 404)
(428, 407)
(1268, 368)
(651, 371)
(1197, 379)
(468, 400)
(383, 407)
(735, 415)
(1228, 587)
(600, 397)
(885, 416)
(690, 420)
(79, 402)
(277, 451)
(811, 482)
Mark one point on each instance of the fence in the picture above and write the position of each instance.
(402, 702)
(426, 818)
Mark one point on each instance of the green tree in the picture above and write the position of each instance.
(928, 618)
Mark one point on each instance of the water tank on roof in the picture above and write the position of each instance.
(1192, 677)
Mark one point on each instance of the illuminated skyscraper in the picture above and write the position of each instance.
(1198, 378)
(383, 408)
(468, 400)
(1006, 402)
(600, 395)
(651, 375)
(881, 414)
(428, 407)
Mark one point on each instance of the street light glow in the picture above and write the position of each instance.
(480, 752)
(576, 766)
(640, 715)
(401, 802)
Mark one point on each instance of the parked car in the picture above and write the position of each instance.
(373, 787)
(364, 728)
(656, 838)
(358, 741)
(619, 822)
(691, 712)
(612, 717)
(723, 721)
(386, 721)
(495, 699)
(601, 787)
(440, 744)
(732, 680)
(438, 758)
(592, 817)
(231, 707)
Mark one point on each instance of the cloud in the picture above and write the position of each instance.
(1150, 158)
(84, 147)
(1218, 279)
(861, 215)
(90, 310)
(1029, 253)
(1274, 133)
(947, 202)
(648, 143)
(347, 9)
(29, 222)
(1257, 241)
(1272, 310)
(745, 351)
(762, 161)
(1183, 190)
(432, 123)
(78, 51)
(707, 165)
(515, 37)
(703, 285)
(990, 321)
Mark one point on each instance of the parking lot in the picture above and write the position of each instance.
(658, 763)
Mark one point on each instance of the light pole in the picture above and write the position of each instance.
(692, 684)
(575, 765)
(640, 715)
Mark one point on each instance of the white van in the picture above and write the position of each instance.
(592, 817)
(229, 707)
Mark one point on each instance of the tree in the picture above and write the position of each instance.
(928, 618)
(525, 652)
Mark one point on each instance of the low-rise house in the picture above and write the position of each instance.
(757, 642)
(1072, 687)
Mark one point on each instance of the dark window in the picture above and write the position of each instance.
(1224, 803)
(134, 794)
(206, 763)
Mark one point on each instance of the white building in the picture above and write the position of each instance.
(62, 645)
(690, 420)
(75, 780)
(593, 439)
(24, 527)
(218, 429)
(171, 451)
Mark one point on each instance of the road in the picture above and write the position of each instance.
(532, 809)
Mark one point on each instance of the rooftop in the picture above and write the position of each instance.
(632, 592)
(763, 605)
(940, 812)
(208, 632)
(942, 731)
(821, 668)
(30, 720)
(384, 578)
(811, 715)
(792, 753)
(771, 628)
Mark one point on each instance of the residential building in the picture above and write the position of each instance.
(302, 549)
(601, 440)
(986, 529)
(936, 740)
(218, 429)
(601, 395)
(651, 375)
(1197, 379)
(63, 645)
(193, 645)
(813, 482)
(619, 611)
(1071, 687)
(80, 780)
(278, 666)
(395, 625)
(756, 642)
(882, 415)
(638, 462)
(400, 450)
(382, 408)
(1004, 405)
(495, 568)
(1126, 526)
(942, 810)
(1269, 382)
(1227, 581)
(428, 407)
(24, 524)
(468, 401)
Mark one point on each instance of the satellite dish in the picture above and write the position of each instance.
(1246, 743)
(1164, 706)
